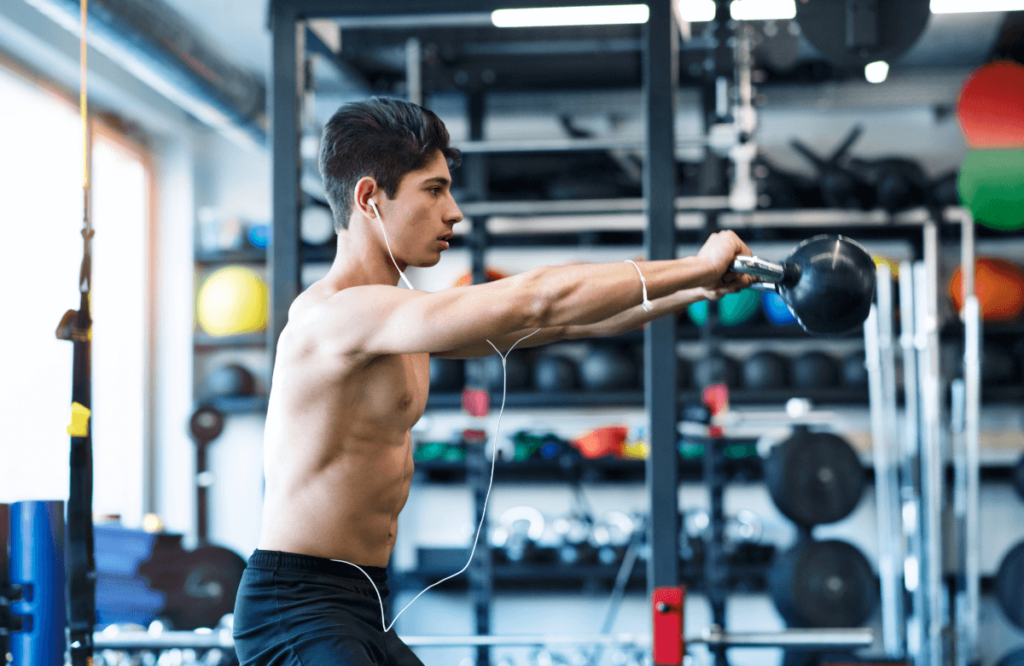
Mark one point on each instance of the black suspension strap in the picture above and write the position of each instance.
(76, 327)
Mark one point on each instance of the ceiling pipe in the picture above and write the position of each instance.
(160, 48)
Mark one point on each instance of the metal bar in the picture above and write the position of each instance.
(972, 425)
(759, 268)
(789, 638)
(932, 478)
(283, 256)
(877, 326)
(562, 145)
(910, 495)
(414, 70)
(660, 82)
(583, 206)
(353, 10)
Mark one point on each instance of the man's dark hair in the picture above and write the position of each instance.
(382, 138)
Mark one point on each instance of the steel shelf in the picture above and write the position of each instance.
(202, 341)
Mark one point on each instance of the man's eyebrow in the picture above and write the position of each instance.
(437, 180)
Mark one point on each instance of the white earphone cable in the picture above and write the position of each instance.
(490, 484)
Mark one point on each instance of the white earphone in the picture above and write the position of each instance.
(376, 212)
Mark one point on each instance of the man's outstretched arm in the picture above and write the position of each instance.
(377, 320)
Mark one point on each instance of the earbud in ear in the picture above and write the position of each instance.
(373, 205)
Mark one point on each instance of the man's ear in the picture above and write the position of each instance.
(365, 190)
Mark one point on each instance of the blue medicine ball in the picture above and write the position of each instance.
(776, 309)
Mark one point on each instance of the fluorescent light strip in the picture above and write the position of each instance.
(558, 16)
(969, 6)
(700, 11)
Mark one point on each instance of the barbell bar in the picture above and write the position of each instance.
(811, 639)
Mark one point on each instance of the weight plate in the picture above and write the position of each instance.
(823, 584)
(814, 478)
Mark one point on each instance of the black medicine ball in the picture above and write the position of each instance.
(815, 370)
(555, 373)
(608, 369)
(765, 370)
(447, 374)
(229, 381)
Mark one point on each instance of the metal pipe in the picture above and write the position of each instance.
(910, 496)
(972, 425)
(877, 327)
(789, 638)
(414, 70)
(160, 48)
(759, 268)
(932, 478)
(562, 145)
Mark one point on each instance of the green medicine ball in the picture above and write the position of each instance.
(698, 312)
(735, 309)
(991, 186)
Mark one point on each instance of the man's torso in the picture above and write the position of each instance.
(337, 446)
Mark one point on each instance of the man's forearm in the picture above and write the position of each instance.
(635, 316)
(586, 294)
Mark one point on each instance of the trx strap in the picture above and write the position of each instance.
(76, 327)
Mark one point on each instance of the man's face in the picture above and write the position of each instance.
(422, 214)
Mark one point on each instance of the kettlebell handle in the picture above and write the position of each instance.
(763, 270)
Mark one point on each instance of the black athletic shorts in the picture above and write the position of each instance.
(298, 610)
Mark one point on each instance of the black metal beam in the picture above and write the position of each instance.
(661, 77)
(283, 257)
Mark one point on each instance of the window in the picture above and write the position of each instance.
(41, 203)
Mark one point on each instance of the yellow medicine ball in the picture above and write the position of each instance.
(232, 301)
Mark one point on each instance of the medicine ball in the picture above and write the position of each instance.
(447, 374)
(229, 381)
(232, 301)
(553, 373)
(765, 370)
(738, 308)
(716, 369)
(608, 369)
(855, 371)
(776, 310)
(814, 478)
(814, 370)
(698, 312)
(517, 368)
(823, 584)
(999, 285)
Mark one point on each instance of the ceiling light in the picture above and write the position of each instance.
(966, 6)
(698, 11)
(762, 10)
(876, 72)
(555, 16)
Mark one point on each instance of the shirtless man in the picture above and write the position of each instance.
(352, 374)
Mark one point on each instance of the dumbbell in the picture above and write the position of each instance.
(827, 282)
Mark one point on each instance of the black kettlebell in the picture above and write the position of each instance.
(828, 282)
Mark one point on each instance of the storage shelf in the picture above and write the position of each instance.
(537, 400)
(582, 470)
(252, 404)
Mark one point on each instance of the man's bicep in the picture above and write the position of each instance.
(417, 322)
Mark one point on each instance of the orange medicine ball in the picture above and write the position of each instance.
(999, 285)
